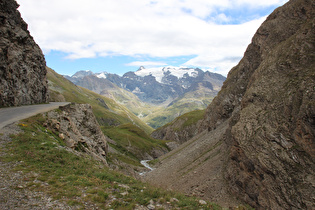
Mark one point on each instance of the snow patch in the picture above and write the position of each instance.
(101, 75)
(159, 72)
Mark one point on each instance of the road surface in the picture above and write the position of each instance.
(13, 114)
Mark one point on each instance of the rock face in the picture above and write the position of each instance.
(77, 126)
(181, 129)
(22, 63)
(261, 124)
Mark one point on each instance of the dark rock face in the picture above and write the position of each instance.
(77, 126)
(22, 63)
(269, 98)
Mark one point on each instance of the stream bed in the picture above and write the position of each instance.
(145, 164)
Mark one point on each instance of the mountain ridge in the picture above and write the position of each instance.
(154, 93)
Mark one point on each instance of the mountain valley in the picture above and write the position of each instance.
(242, 142)
(155, 95)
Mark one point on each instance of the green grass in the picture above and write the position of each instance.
(165, 115)
(190, 118)
(132, 141)
(116, 114)
(78, 179)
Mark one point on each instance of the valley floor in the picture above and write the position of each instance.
(196, 168)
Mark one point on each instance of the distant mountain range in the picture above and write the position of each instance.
(150, 92)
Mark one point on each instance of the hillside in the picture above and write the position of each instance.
(106, 110)
(128, 141)
(155, 95)
(256, 142)
(39, 171)
(181, 129)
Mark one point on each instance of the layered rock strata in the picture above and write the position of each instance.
(259, 132)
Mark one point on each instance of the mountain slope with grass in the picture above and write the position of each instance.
(49, 175)
(155, 95)
(181, 129)
(106, 110)
(129, 142)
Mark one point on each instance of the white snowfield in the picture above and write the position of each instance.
(158, 72)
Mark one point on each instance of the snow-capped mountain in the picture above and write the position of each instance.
(160, 72)
(157, 95)
(154, 85)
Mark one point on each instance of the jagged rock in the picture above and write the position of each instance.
(177, 131)
(172, 145)
(259, 132)
(22, 63)
(77, 125)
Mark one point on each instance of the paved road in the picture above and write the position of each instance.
(13, 114)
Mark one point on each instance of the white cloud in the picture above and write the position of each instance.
(161, 28)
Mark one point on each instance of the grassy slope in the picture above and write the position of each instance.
(184, 105)
(115, 115)
(117, 122)
(132, 141)
(189, 118)
(78, 180)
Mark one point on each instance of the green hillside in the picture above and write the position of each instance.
(78, 181)
(130, 141)
(183, 105)
(106, 110)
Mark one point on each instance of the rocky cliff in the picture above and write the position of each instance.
(77, 126)
(22, 63)
(259, 132)
(181, 129)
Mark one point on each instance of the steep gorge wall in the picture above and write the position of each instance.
(269, 98)
(22, 63)
(259, 132)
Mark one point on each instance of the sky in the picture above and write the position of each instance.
(118, 36)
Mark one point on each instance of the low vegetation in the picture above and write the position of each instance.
(106, 110)
(80, 181)
(163, 115)
(132, 142)
(117, 122)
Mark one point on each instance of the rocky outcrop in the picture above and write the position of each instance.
(77, 126)
(269, 99)
(261, 124)
(22, 63)
(181, 129)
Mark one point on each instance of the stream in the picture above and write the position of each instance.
(145, 164)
